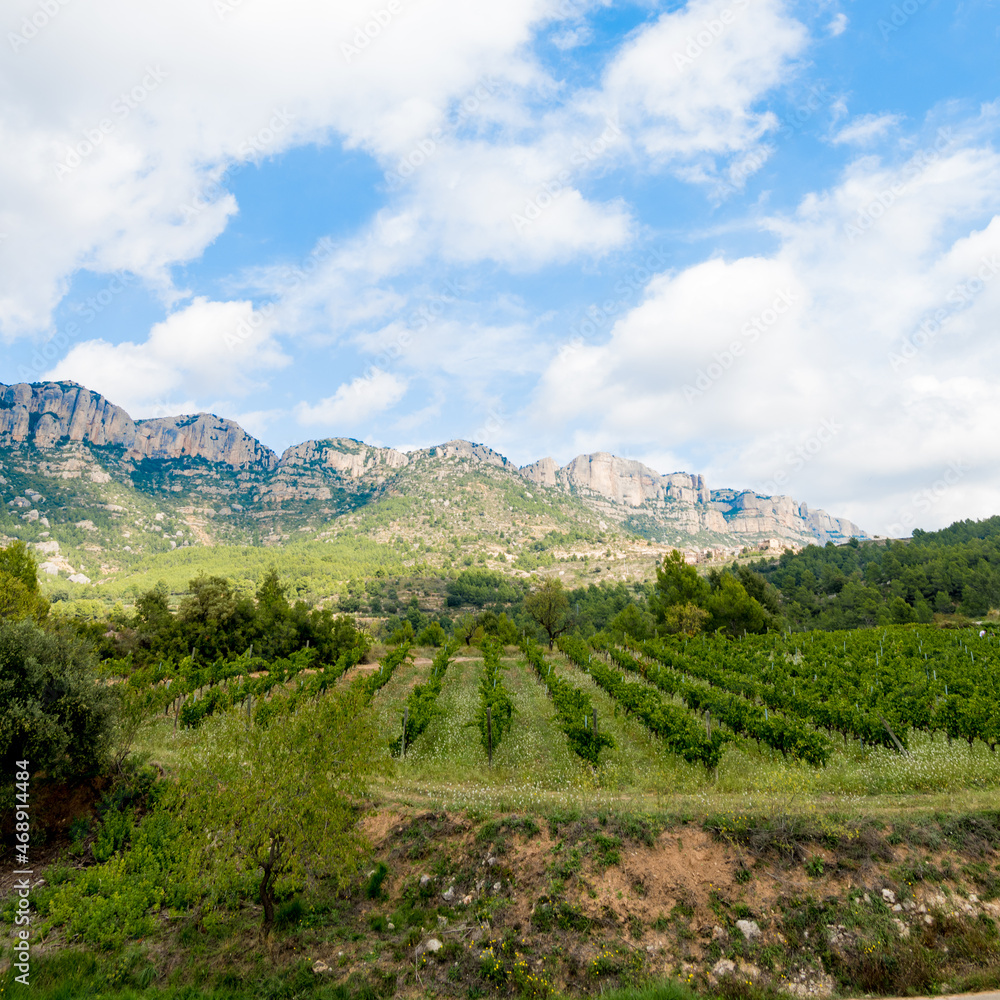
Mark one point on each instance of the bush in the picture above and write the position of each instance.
(53, 712)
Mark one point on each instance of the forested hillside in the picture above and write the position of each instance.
(955, 570)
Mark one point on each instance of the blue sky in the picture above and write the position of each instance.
(753, 239)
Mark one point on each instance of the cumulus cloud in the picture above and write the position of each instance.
(691, 84)
(855, 361)
(838, 25)
(117, 124)
(201, 354)
(354, 402)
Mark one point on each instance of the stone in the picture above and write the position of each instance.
(748, 928)
(320, 967)
(78, 578)
(896, 908)
(425, 879)
(432, 945)
(724, 967)
(904, 931)
(719, 933)
(390, 926)
(889, 896)
(449, 894)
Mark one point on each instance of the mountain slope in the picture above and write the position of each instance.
(111, 487)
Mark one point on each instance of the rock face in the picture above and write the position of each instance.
(79, 434)
(345, 456)
(52, 413)
(619, 479)
(686, 501)
(204, 436)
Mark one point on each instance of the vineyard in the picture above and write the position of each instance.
(909, 708)
(901, 709)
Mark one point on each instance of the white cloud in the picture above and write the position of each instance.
(866, 128)
(175, 92)
(889, 341)
(689, 84)
(201, 354)
(838, 25)
(355, 402)
(179, 92)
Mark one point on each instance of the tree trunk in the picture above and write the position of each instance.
(270, 868)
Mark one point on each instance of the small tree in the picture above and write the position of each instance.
(52, 710)
(281, 800)
(549, 606)
(19, 594)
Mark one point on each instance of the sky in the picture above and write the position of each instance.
(752, 239)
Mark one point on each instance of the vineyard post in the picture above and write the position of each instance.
(595, 724)
(489, 735)
(708, 723)
(406, 719)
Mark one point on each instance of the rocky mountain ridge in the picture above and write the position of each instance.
(210, 466)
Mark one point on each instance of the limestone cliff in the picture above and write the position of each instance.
(211, 466)
(685, 502)
(53, 413)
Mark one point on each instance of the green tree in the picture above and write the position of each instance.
(677, 583)
(52, 709)
(548, 605)
(277, 802)
(19, 593)
(684, 619)
(733, 610)
(632, 621)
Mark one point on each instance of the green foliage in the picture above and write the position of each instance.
(549, 606)
(432, 635)
(682, 733)
(574, 709)
(19, 594)
(373, 887)
(267, 798)
(480, 587)
(53, 711)
(109, 903)
(493, 696)
(865, 584)
(421, 702)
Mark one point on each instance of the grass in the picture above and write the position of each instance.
(939, 806)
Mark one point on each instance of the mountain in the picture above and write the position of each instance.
(88, 484)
